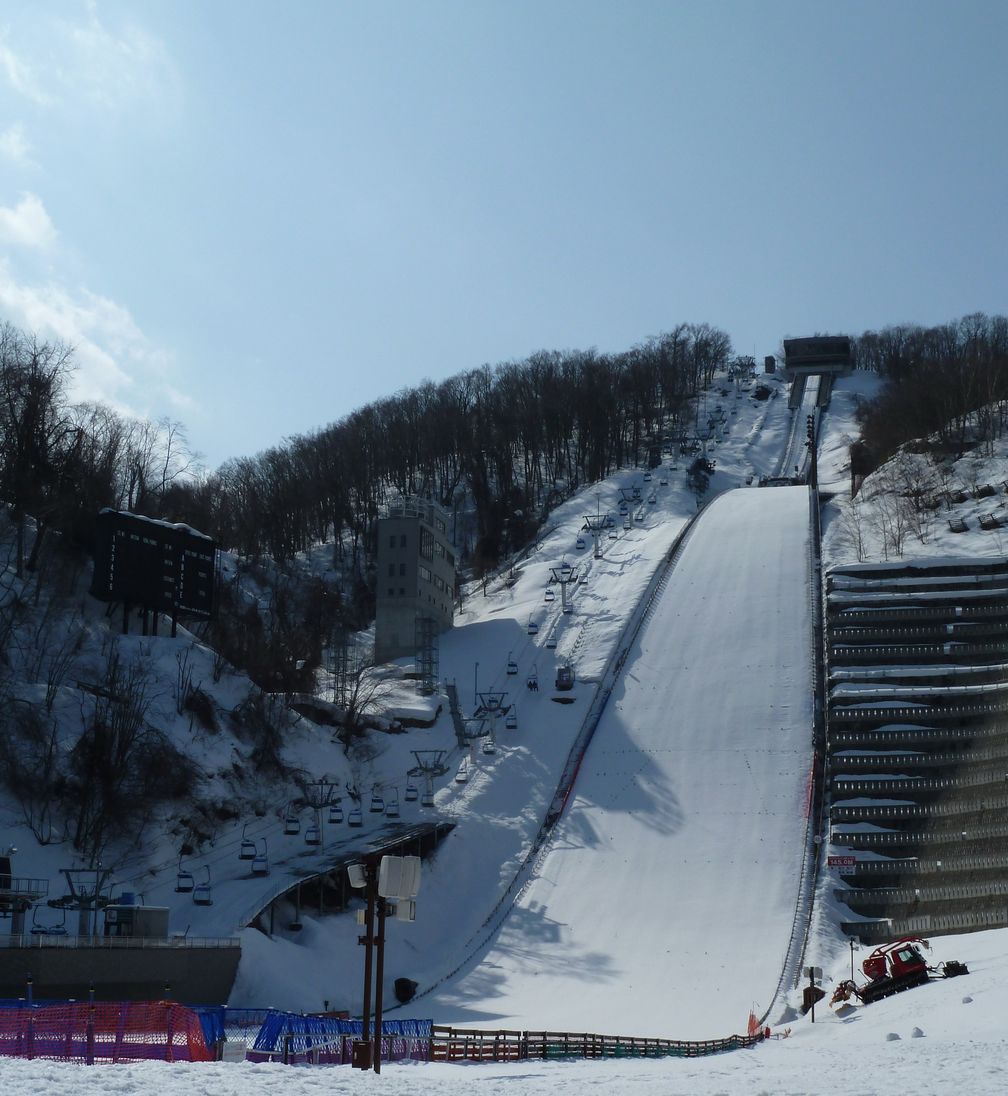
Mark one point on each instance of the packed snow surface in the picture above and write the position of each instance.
(684, 842)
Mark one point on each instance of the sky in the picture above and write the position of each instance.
(254, 217)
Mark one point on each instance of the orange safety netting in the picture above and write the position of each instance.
(126, 1031)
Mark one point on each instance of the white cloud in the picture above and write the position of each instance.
(86, 63)
(15, 146)
(27, 224)
(116, 363)
(20, 75)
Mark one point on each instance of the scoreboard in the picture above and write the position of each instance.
(153, 564)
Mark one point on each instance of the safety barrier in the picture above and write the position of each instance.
(915, 785)
(854, 839)
(875, 932)
(864, 812)
(127, 1031)
(873, 896)
(322, 1040)
(856, 713)
(915, 736)
(852, 763)
(473, 1045)
(919, 866)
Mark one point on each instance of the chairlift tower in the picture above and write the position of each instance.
(427, 656)
(595, 525)
(491, 706)
(346, 658)
(564, 576)
(85, 886)
(429, 764)
(318, 795)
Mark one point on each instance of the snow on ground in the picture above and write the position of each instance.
(689, 807)
(948, 1036)
(680, 808)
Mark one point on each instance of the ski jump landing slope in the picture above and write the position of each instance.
(665, 904)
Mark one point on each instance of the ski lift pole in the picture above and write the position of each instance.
(379, 978)
(369, 923)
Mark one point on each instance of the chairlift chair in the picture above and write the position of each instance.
(335, 813)
(489, 746)
(412, 793)
(533, 627)
(248, 849)
(551, 643)
(580, 542)
(427, 799)
(260, 863)
(184, 881)
(512, 666)
(549, 596)
(564, 678)
(392, 806)
(355, 818)
(511, 720)
(462, 773)
(565, 569)
(292, 824)
(313, 834)
(613, 534)
(48, 930)
(647, 477)
(652, 499)
(623, 508)
(377, 802)
(202, 894)
(533, 680)
(663, 482)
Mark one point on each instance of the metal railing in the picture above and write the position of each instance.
(472, 1045)
(115, 943)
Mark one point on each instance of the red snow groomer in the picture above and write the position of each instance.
(893, 968)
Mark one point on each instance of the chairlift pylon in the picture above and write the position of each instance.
(202, 894)
(248, 849)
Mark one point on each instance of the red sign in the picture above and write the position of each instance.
(841, 861)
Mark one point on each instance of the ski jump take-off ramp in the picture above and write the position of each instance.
(676, 867)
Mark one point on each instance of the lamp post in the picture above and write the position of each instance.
(396, 877)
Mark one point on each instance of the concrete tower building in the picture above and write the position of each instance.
(416, 575)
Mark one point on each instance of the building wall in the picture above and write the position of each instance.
(415, 576)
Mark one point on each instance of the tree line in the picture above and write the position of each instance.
(947, 385)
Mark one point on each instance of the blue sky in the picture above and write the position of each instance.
(254, 217)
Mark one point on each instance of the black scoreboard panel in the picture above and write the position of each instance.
(153, 564)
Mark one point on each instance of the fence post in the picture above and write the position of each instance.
(170, 1033)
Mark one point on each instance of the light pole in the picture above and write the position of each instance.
(396, 877)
